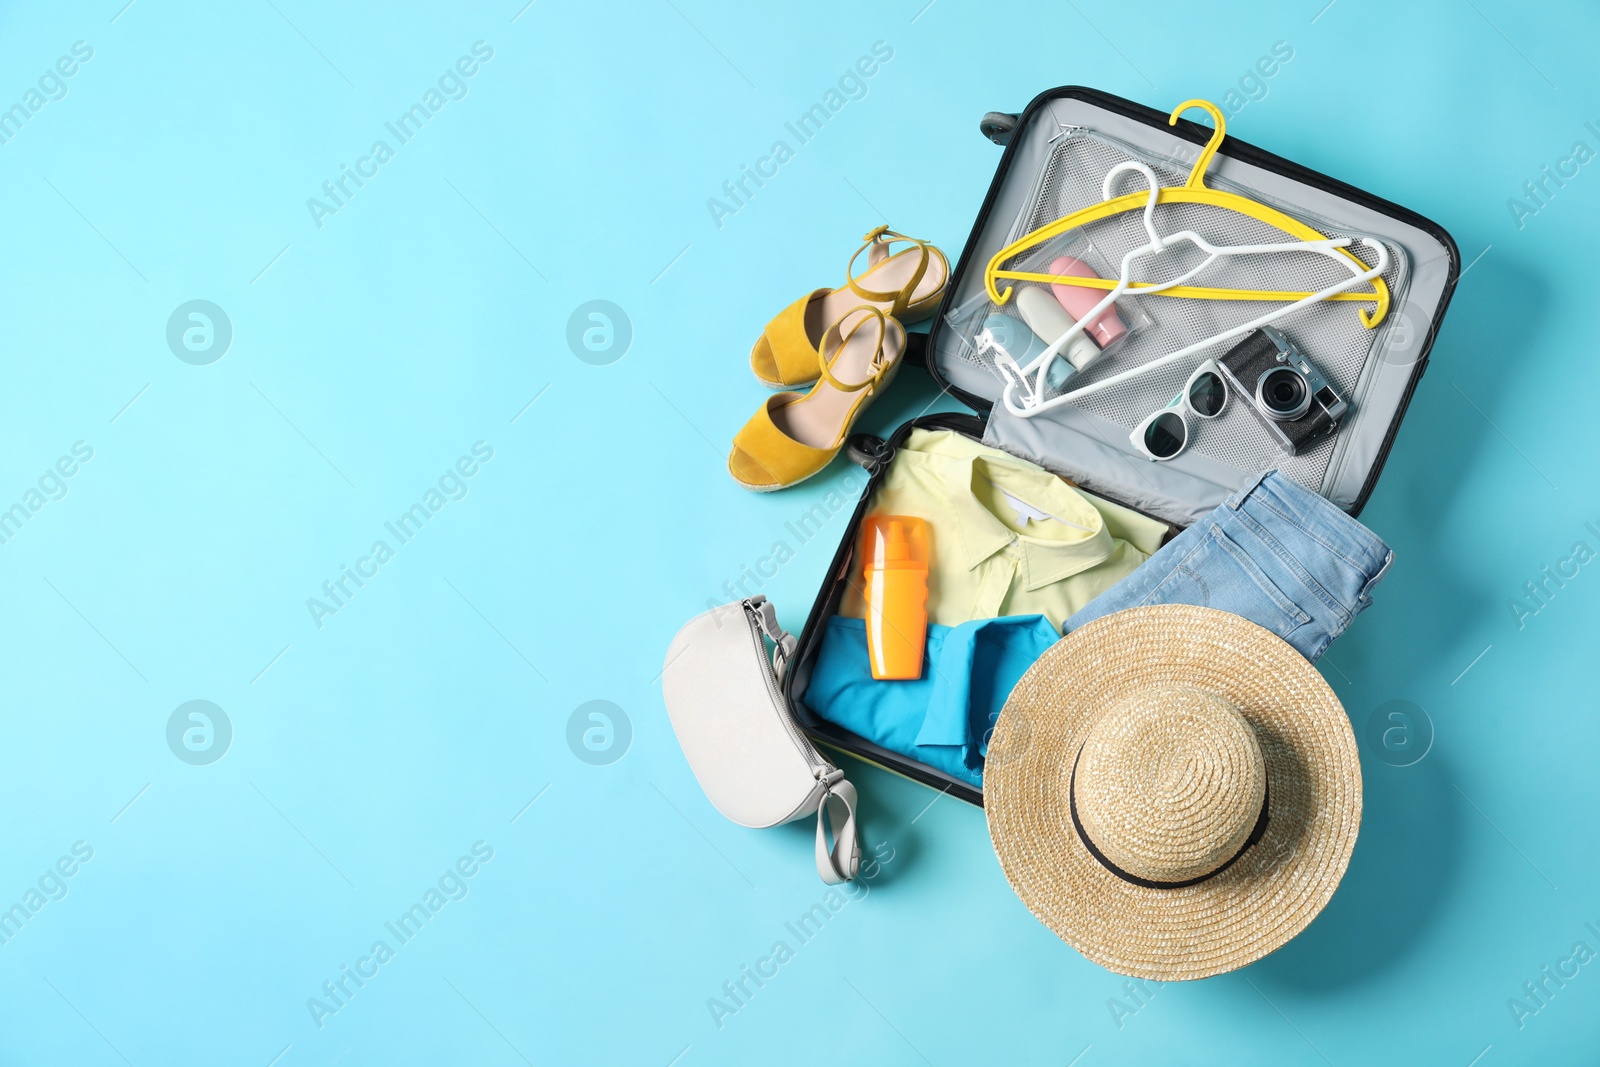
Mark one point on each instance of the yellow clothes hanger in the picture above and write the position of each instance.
(1193, 191)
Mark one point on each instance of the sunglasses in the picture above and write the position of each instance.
(1165, 433)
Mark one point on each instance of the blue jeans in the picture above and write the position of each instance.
(1275, 553)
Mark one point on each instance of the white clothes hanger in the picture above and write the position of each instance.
(1024, 391)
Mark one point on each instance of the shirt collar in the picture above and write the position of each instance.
(1067, 550)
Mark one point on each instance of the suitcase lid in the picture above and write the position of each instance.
(1057, 154)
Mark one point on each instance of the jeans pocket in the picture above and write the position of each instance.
(1218, 573)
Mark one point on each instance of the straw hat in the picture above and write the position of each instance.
(1174, 791)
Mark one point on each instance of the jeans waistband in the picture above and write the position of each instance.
(1244, 491)
(1289, 501)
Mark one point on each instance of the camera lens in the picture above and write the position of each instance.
(1283, 394)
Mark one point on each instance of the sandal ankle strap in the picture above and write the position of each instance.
(878, 242)
(877, 363)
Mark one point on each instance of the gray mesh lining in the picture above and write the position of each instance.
(1330, 333)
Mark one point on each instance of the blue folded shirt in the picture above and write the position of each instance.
(944, 718)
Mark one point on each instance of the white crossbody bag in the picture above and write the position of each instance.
(723, 694)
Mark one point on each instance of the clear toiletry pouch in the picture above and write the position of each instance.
(723, 695)
(1008, 339)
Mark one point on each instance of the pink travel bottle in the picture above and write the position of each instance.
(1079, 300)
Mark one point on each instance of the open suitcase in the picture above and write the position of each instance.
(1057, 155)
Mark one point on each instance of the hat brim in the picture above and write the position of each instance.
(1246, 911)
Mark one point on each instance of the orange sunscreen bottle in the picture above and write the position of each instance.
(895, 554)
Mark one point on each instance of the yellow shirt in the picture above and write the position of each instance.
(1008, 537)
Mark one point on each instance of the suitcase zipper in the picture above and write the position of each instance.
(820, 768)
(1363, 385)
(965, 423)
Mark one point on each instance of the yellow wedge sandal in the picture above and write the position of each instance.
(794, 435)
(906, 285)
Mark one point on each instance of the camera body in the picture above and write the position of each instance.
(1287, 394)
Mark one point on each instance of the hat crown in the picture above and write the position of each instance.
(1170, 783)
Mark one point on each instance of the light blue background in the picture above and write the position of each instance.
(369, 754)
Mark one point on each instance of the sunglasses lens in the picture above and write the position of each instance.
(1207, 395)
(1166, 434)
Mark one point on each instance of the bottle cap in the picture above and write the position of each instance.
(894, 542)
(1079, 300)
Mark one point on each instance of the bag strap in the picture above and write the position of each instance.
(843, 861)
(767, 620)
(836, 811)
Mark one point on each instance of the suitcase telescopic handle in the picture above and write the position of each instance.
(997, 126)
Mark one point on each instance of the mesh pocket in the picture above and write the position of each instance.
(1329, 332)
